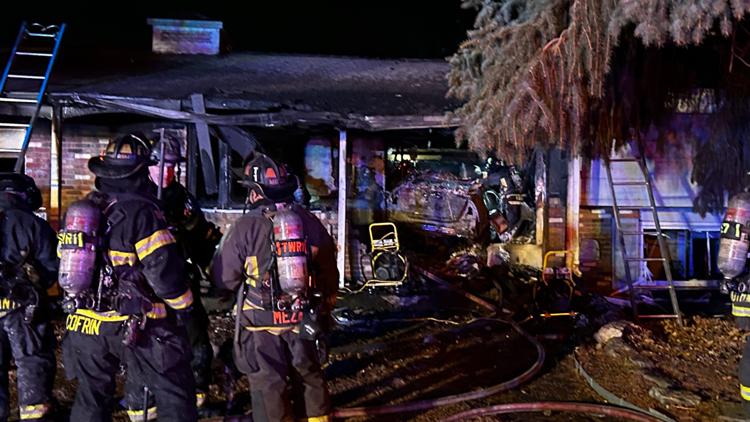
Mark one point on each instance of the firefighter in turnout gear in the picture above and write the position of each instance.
(197, 239)
(129, 315)
(281, 261)
(734, 245)
(28, 267)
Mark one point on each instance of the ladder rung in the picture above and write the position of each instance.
(32, 54)
(40, 34)
(14, 125)
(36, 77)
(645, 259)
(16, 100)
(630, 183)
(635, 207)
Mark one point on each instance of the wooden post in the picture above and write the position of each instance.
(572, 241)
(224, 178)
(341, 241)
(192, 160)
(540, 195)
(204, 146)
(55, 167)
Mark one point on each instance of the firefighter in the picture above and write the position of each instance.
(197, 239)
(283, 311)
(734, 244)
(28, 267)
(130, 316)
(741, 312)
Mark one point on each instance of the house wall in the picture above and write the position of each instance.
(669, 169)
(81, 142)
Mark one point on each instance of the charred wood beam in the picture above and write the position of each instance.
(376, 123)
(224, 174)
(204, 146)
(270, 115)
(45, 112)
(192, 160)
(238, 104)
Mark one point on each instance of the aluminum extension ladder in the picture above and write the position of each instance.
(665, 258)
(26, 74)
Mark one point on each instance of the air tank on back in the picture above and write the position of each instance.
(78, 247)
(291, 251)
(734, 243)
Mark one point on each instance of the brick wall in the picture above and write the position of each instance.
(595, 231)
(38, 159)
(79, 144)
(77, 180)
(555, 236)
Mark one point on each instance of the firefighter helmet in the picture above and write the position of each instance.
(273, 179)
(124, 157)
(23, 186)
(172, 150)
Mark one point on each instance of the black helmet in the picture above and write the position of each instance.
(23, 186)
(171, 150)
(273, 179)
(124, 157)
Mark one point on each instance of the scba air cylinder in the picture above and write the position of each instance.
(734, 243)
(291, 251)
(78, 247)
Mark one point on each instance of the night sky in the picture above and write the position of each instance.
(410, 28)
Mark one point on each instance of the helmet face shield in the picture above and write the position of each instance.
(123, 157)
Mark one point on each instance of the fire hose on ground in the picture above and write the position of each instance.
(548, 406)
(635, 414)
(457, 398)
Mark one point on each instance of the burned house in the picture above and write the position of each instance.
(650, 106)
(301, 109)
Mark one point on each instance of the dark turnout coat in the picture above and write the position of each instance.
(248, 242)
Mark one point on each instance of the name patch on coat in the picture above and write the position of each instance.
(7, 304)
(83, 325)
(282, 318)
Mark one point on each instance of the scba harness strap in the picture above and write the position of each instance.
(263, 301)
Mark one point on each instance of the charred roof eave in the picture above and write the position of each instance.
(244, 113)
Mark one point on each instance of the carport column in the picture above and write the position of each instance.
(341, 241)
(55, 168)
(572, 241)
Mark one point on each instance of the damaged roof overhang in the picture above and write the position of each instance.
(252, 89)
(244, 113)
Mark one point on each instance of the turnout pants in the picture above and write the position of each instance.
(32, 347)
(286, 380)
(196, 327)
(203, 354)
(160, 360)
(741, 312)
